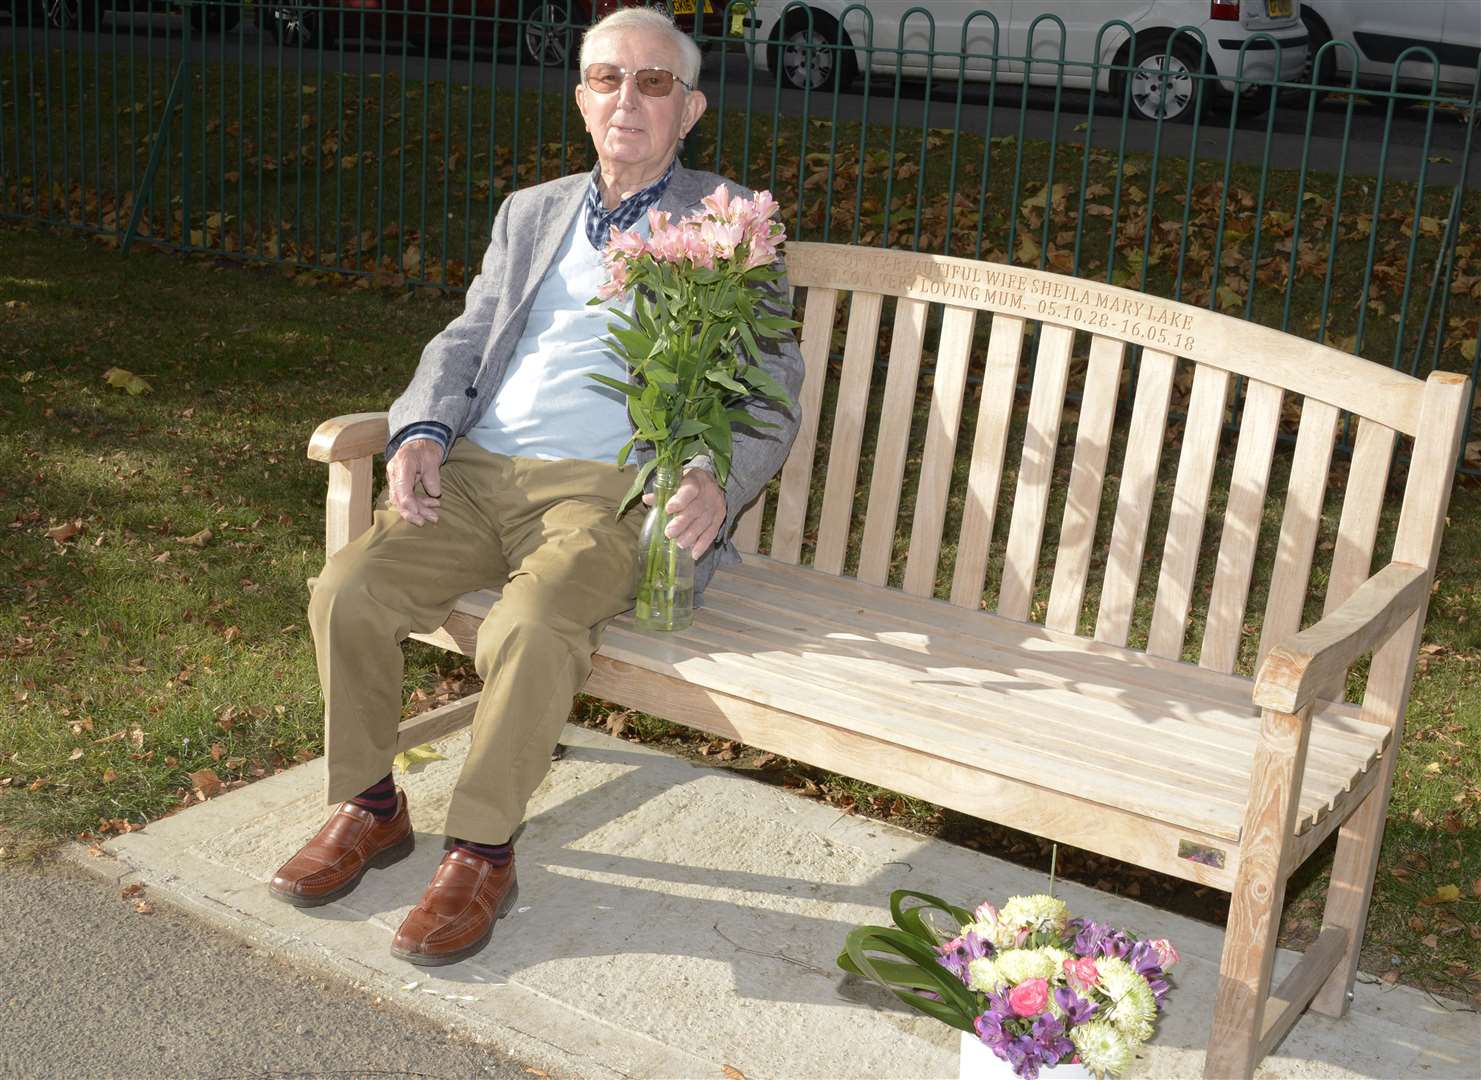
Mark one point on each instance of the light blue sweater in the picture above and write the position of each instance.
(547, 407)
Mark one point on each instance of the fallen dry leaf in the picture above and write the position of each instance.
(143, 907)
(1445, 894)
(130, 890)
(206, 782)
(733, 1073)
(109, 776)
(64, 532)
(199, 540)
(126, 380)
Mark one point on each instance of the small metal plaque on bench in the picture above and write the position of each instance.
(1201, 853)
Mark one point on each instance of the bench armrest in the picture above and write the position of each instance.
(348, 437)
(1294, 669)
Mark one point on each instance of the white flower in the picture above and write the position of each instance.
(1037, 912)
(1103, 1050)
(983, 975)
(1133, 1007)
(1019, 965)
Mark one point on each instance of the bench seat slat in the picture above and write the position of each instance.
(997, 705)
(764, 681)
(1170, 679)
(901, 699)
(1208, 732)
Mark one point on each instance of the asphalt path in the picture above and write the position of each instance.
(1417, 139)
(92, 988)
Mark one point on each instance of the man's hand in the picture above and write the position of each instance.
(416, 460)
(698, 507)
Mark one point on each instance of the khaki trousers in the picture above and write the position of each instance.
(546, 533)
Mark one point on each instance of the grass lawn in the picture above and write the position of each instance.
(155, 546)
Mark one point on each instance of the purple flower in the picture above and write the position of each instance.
(1097, 939)
(1049, 1039)
(957, 953)
(1077, 1010)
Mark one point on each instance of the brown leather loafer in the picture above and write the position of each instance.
(333, 862)
(456, 915)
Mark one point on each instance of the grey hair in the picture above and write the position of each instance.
(654, 20)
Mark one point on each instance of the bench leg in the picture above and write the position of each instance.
(1353, 870)
(1234, 1047)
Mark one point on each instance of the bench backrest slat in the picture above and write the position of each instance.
(1300, 523)
(1259, 426)
(1121, 539)
(947, 386)
(1203, 429)
(1087, 483)
(985, 471)
(791, 512)
(848, 432)
(892, 443)
(1035, 471)
(1138, 478)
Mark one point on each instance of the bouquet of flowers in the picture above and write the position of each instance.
(692, 348)
(1037, 987)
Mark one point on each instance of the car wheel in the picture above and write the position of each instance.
(1317, 35)
(803, 55)
(1163, 85)
(548, 34)
(299, 24)
(61, 14)
(213, 15)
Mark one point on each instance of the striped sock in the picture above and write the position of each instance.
(497, 854)
(379, 798)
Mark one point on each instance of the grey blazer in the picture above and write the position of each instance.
(462, 368)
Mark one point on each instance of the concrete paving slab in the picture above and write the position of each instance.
(675, 919)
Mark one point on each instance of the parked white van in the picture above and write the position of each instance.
(962, 40)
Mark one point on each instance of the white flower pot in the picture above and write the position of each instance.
(980, 1063)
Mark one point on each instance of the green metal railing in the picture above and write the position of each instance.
(379, 142)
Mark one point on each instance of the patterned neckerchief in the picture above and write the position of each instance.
(599, 220)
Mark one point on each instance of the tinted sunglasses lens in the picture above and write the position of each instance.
(603, 78)
(655, 82)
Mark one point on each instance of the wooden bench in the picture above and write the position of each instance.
(1060, 660)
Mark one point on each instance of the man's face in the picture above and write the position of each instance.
(636, 135)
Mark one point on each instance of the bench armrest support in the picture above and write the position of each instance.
(1293, 671)
(348, 445)
(348, 437)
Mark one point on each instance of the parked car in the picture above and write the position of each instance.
(1380, 31)
(220, 15)
(547, 32)
(964, 45)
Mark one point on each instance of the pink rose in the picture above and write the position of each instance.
(1029, 997)
(1167, 956)
(1082, 973)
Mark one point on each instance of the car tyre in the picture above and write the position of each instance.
(215, 16)
(58, 14)
(1151, 69)
(1317, 35)
(802, 58)
(299, 24)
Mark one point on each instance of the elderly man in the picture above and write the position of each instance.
(502, 471)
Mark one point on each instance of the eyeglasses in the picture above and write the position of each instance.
(652, 82)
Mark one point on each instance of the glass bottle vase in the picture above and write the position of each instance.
(665, 571)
